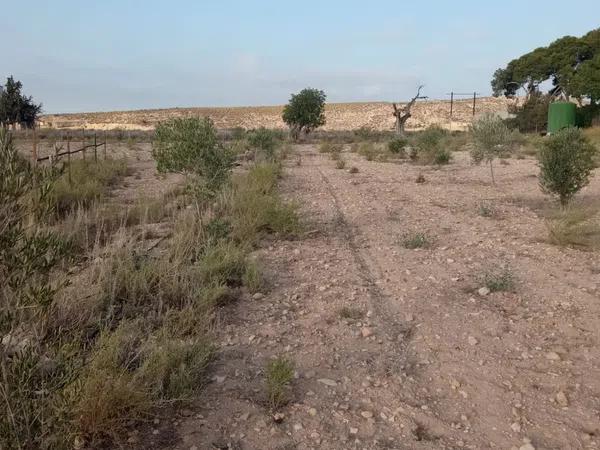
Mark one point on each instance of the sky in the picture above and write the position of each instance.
(82, 55)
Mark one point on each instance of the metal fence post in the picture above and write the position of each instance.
(95, 149)
(474, 97)
(104, 145)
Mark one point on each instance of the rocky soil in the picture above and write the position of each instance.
(404, 349)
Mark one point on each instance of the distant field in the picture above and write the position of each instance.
(340, 116)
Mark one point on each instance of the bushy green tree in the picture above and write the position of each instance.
(566, 162)
(191, 146)
(305, 111)
(16, 108)
(586, 81)
(491, 138)
(569, 63)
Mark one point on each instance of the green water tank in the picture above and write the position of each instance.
(561, 115)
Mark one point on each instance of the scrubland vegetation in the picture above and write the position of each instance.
(99, 329)
(107, 309)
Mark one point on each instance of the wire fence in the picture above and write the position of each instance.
(66, 140)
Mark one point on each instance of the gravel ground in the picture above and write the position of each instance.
(429, 360)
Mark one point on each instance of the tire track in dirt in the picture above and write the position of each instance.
(378, 297)
(427, 429)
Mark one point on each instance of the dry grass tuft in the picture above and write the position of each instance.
(350, 313)
(90, 182)
(278, 376)
(416, 240)
(498, 279)
(575, 227)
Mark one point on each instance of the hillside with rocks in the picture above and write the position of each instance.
(340, 116)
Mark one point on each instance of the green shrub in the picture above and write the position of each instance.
(491, 138)
(32, 407)
(396, 146)
(566, 163)
(486, 210)
(442, 156)
(430, 138)
(368, 150)
(191, 146)
(498, 279)
(265, 142)
(340, 164)
(416, 240)
(428, 147)
(350, 313)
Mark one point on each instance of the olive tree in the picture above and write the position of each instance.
(491, 138)
(402, 114)
(566, 162)
(191, 146)
(29, 255)
(305, 111)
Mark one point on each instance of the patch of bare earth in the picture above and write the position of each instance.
(425, 361)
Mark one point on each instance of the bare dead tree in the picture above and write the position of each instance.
(403, 114)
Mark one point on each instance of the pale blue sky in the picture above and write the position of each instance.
(79, 55)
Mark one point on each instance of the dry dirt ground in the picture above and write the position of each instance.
(431, 363)
(340, 116)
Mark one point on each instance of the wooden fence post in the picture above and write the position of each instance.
(83, 142)
(95, 150)
(105, 145)
(69, 157)
(34, 154)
